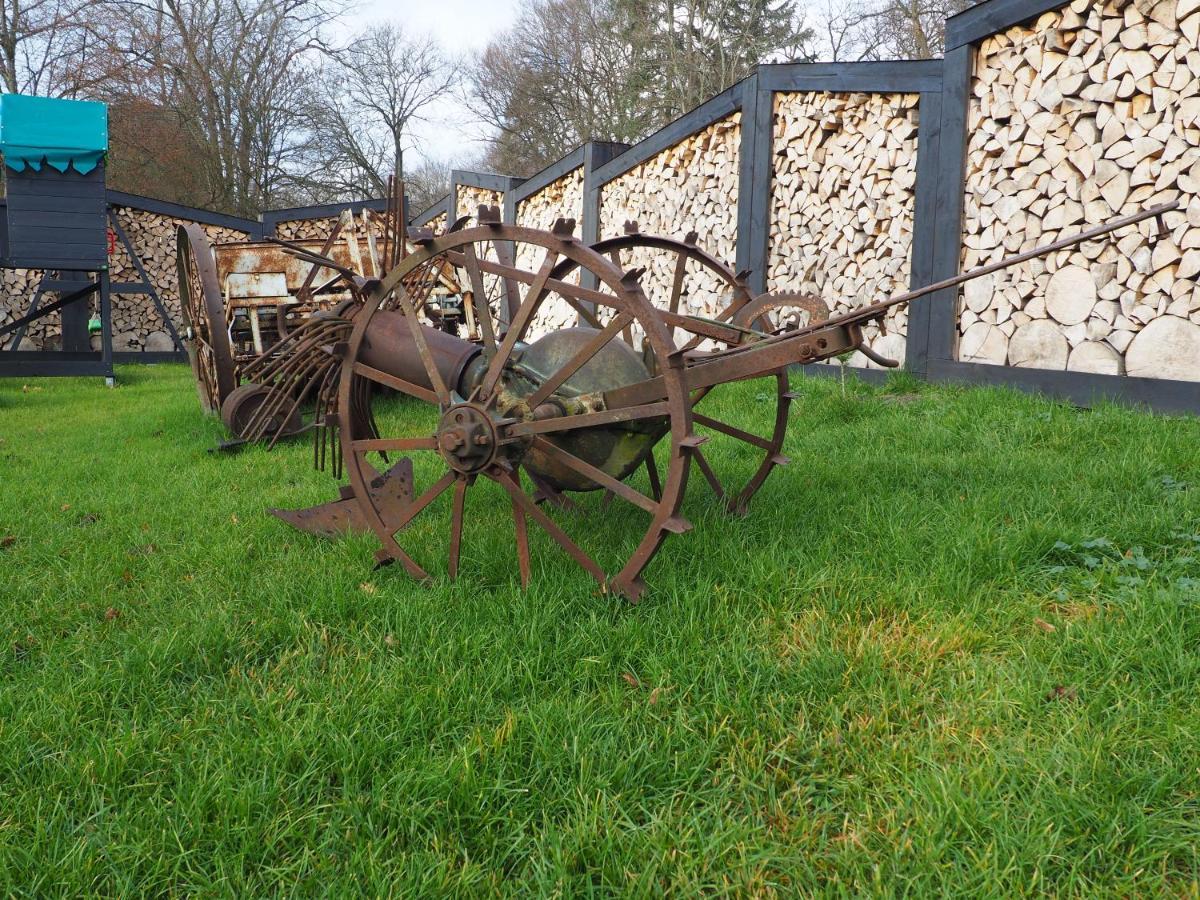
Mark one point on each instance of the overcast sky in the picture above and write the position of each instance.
(463, 27)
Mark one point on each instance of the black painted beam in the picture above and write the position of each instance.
(178, 211)
(556, 170)
(988, 18)
(890, 77)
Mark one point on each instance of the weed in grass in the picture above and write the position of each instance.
(845, 692)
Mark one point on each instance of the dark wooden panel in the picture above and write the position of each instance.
(28, 183)
(47, 203)
(23, 223)
(61, 243)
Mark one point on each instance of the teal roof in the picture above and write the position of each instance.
(61, 132)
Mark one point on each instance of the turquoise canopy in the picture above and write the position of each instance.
(61, 132)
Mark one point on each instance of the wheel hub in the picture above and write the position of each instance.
(467, 438)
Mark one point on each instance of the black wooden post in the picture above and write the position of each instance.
(596, 155)
(754, 190)
(941, 309)
(921, 260)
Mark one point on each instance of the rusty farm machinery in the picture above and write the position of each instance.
(572, 380)
(242, 301)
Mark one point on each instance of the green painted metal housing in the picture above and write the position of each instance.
(61, 133)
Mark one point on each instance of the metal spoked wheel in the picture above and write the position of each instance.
(734, 462)
(205, 329)
(523, 416)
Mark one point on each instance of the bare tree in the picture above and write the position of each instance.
(429, 182)
(568, 71)
(236, 75)
(697, 48)
(382, 85)
(576, 70)
(885, 29)
(47, 47)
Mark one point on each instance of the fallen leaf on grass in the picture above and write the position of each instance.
(66, 506)
(631, 679)
(654, 695)
(1063, 692)
(111, 613)
(7, 541)
(1044, 625)
(233, 519)
(367, 588)
(389, 640)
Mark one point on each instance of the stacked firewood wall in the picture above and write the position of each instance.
(305, 229)
(319, 229)
(19, 286)
(690, 186)
(1092, 111)
(842, 203)
(468, 199)
(561, 199)
(136, 323)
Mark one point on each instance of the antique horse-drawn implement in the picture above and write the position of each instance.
(575, 410)
(243, 300)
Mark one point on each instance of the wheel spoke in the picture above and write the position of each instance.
(550, 527)
(414, 509)
(677, 283)
(619, 488)
(418, 335)
(571, 293)
(709, 474)
(652, 473)
(479, 294)
(456, 524)
(579, 360)
(590, 420)
(398, 445)
(533, 299)
(512, 292)
(725, 428)
(399, 384)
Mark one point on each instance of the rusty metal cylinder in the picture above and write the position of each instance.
(388, 345)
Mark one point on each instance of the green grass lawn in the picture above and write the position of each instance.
(954, 648)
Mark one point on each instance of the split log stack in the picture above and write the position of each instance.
(1091, 112)
(842, 203)
(560, 199)
(691, 186)
(136, 323)
(19, 286)
(437, 224)
(468, 199)
(305, 229)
